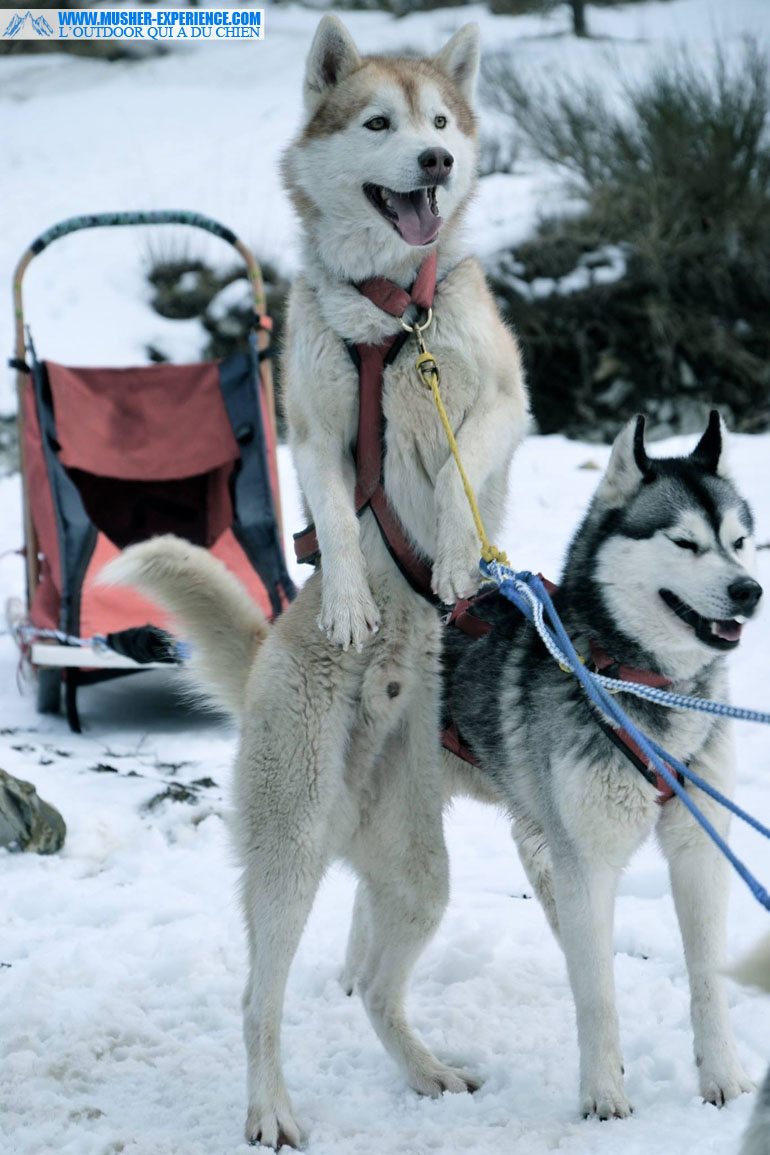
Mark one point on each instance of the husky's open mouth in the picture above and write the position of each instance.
(722, 635)
(414, 215)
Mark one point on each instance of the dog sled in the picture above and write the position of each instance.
(113, 456)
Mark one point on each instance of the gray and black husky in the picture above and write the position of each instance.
(659, 577)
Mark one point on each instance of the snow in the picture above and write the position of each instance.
(236, 295)
(122, 959)
(603, 266)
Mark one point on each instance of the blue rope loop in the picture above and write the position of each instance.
(527, 592)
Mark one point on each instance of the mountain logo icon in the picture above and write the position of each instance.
(17, 23)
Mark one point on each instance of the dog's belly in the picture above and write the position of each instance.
(415, 450)
(370, 694)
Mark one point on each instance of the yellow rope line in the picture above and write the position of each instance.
(428, 370)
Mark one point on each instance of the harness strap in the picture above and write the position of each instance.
(475, 628)
(371, 361)
(460, 617)
(452, 741)
(626, 744)
(603, 663)
(611, 668)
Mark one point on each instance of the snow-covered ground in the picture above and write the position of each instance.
(119, 1000)
(122, 959)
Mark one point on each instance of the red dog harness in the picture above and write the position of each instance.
(371, 361)
(604, 664)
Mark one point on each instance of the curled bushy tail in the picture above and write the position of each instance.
(215, 614)
(754, 970)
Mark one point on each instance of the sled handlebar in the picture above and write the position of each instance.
(112, 220)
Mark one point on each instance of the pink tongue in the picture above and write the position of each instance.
(416, 222)
(729, 631)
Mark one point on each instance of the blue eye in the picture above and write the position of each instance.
(377, 124)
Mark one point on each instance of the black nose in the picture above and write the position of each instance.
(437, 163)
(745, 592)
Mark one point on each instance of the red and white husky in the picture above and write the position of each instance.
(339, 754)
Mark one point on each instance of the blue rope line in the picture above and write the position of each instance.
(712, 791)
(620, 717)
(683, 702)
(527, 592)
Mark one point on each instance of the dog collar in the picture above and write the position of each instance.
(603, 663)
(392, 299)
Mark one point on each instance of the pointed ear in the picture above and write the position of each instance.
(711, 451)
(459, 59)
(628, 467)
(333, 56)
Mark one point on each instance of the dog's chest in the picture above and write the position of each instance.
(685, 734)
(416, 446)
(413, 426)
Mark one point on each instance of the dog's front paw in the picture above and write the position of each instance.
(605, 1098)
(456, 568)
(435, 1078)
(349, 618)
(272, 1126)
(719, 1086)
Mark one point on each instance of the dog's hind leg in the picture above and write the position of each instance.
(403, 859)
(288, 813)
(358, 940)
(700, 881)
(278, 894)
(406, 906)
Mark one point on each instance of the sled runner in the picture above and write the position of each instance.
(114, 456)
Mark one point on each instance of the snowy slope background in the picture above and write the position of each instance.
(122, 959)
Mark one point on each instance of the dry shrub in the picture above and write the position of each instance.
(678, 173)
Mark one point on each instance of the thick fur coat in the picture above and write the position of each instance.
(660, 575)
(339, 754)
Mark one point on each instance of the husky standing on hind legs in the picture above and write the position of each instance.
(339, 754)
